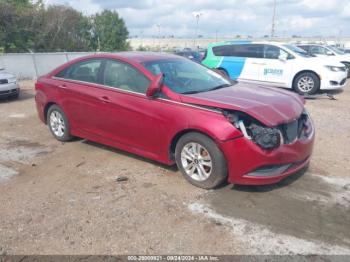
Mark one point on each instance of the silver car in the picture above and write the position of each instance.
(9, 87)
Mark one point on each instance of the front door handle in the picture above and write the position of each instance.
(105, 99)
(63, 86)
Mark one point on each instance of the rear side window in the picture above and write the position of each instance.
(224, 50)
(124, 76)
(86, 71)
(246, 50)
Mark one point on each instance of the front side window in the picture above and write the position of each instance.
(275, 52)
(272, 52)
(318, 50)
(124, 76)
(186, 77)
(86, 71)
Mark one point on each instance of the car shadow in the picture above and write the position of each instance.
(172, 168)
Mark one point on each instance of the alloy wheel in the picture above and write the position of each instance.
(196, 161)
(306, 84)
(57, 123)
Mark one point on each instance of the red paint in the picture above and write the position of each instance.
(147, 126)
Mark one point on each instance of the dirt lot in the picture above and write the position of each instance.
(63, 198)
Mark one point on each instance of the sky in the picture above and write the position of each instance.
(225, 18)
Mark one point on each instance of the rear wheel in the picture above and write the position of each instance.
(200, 161)
(58, 123)
(306, 83)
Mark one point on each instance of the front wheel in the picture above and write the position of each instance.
(200, 161)
(306, 83)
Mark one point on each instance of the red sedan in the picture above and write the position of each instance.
(172, 110)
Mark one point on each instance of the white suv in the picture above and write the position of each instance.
(328, 51)
(275, 64)
(9, 87)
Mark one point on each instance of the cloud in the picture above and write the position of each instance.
(227, 17)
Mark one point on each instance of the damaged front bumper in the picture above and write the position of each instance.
(249, 164)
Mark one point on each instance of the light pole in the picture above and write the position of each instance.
(158, 25)
(273, 19)
(196, 15)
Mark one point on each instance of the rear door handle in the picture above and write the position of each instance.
(105, 99)
(63, 86)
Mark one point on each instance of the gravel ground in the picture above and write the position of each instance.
(64, 198)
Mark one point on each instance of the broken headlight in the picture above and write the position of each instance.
(266, 137)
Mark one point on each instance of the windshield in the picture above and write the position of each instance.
(186, 77)
(336, 50)
(297, 50)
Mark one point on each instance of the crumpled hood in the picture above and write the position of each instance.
(271, 106)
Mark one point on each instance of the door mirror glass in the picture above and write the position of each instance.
(155, 86)
(283, 56)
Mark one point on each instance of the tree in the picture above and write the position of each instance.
(63, 28)
(28, 26)
(109, 32)
(16, 24)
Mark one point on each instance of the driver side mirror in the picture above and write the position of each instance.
(283, 56)
(329, 53)
(155, 86)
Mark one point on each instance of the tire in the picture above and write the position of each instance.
(306, 83)
(58, 124)
(15, 96)
(203, 175)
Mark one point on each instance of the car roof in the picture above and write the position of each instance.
(138, 56)
(246, 42)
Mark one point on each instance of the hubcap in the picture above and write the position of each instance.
(57, 123)
(306, 83)
(196, 161)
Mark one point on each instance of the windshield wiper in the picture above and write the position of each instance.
(200, 91)
(192, 92)
(218, 87)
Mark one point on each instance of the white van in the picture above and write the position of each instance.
(275, 64)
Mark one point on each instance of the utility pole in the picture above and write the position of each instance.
(196, 15)
(273, 19)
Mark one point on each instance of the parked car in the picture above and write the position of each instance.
(192, 55)
(173, 110)
(333, 52)
(276, 64)
(9, 87)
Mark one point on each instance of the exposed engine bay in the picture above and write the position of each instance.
(269, 138)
